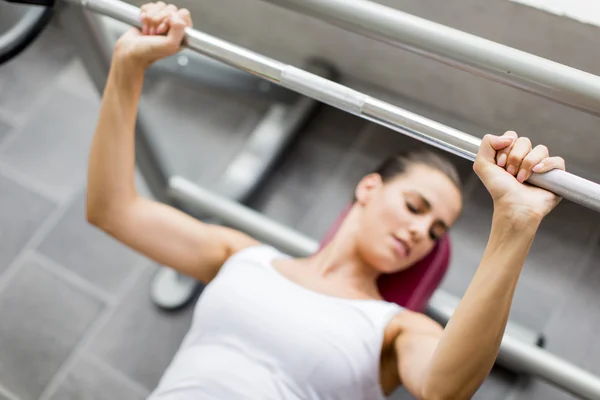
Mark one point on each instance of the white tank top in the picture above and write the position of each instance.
(258, 335)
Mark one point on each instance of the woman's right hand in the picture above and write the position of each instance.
(162, 33)
(504, 163)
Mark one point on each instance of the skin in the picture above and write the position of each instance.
(431, 362)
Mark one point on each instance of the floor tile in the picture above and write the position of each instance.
(307, 170)
(41, 63)
(88, 381)
(335, 195)
(198, 131)
(34, 347)
(21, 214)
(53, 146)
(75, 79)
(140, 340)
(89, 251)
(5, 128)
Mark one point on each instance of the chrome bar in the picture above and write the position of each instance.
(562, 183)
(482, 57)
(518, 350)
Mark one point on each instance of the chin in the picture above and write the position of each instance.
(387, 262)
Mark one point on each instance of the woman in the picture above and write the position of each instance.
(272, 327)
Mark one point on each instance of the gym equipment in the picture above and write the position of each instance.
(567, 185)
(19, 26)
(90, 36)
(481, 57)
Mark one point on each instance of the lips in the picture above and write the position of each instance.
(401, 247)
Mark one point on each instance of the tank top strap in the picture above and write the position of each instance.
(381, 312)
(260, 254)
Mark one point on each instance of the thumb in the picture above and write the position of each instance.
(177, 30)
(491, 144)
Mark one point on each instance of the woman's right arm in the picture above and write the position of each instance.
(159, 231)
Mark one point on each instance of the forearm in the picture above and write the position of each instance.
(470, 342)
(111, 168)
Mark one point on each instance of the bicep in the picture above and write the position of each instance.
(415, 347)
(175, 239)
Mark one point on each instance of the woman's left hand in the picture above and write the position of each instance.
(504, 163)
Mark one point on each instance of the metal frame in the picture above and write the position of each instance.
(29, 22)
(564, 184)
(485, 58)
(91, 40)
(196, 69)
(515, 353)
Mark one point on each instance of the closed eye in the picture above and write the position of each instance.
(412, 208)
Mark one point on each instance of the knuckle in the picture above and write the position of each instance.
(529, 162)
(514, 157)
(525, 141)
(185, 13)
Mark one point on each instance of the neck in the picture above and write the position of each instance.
(340, 260)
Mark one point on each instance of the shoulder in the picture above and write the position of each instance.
(232, 240)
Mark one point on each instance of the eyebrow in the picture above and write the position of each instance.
(428, 206)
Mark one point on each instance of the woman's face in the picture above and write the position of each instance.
(403, 218)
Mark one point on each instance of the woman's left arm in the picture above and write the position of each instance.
(453, 364)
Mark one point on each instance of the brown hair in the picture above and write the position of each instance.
(399, 163)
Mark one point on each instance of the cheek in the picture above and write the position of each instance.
(421, 251)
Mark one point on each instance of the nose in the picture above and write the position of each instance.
(419, 229)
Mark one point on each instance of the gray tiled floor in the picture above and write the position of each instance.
(77, 321)
(58, 316)
(21, 214)
(138, 340)
(87, 251)
(20, 95)
(5, 128)
(50, 151)
(90, 380)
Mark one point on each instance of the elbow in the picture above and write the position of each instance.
(436, 392)
(429, 394)
(102, 216)
(104, 211)
(97, 217)
(433, 395)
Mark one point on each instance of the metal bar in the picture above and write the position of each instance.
(562, 183)
(515, 354)
(191, 67)
(236, 215)
(491, 60)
